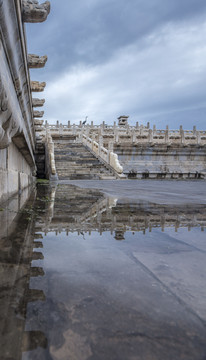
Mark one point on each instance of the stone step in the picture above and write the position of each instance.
(74, 161)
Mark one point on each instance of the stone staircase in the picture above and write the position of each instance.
(74, 161)
(40, 157)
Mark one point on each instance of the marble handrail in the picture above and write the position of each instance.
(108, 156)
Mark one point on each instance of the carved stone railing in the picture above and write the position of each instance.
(131, 135)
(51, 173)
(109, 157)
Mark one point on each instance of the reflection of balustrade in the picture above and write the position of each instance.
(110, 215)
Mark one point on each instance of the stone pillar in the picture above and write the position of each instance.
(92, 124)
(182, 135)
(198, 137)
(148, 125)
(87, 132)
(133, 135)
(60, 129)
(80, 123)
(68, 124)
(100, 144)
(116, 135)
(194, 130)
(167, 135)
(150, 136)
(57, 125)
(111, 146)
(137, 125)
(102, 129)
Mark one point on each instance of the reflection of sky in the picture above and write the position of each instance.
(61, 246)
(174, 259)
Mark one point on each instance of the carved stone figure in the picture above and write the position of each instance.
(38, 122)
(37, 86)
(36, 62)
(38, 114)
(37, 102)
(33, 12)
(8, 127)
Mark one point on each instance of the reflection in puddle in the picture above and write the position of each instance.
(83, 276)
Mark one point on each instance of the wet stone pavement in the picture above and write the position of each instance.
(86, 275)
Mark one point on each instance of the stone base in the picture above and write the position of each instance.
(15, 172)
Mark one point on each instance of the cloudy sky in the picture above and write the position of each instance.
(142, 58)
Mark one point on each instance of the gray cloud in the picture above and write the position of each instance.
(142, 58)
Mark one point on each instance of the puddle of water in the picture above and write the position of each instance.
(83, 276)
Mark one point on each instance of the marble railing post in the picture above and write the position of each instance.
(116, 135)
(111, 146)
(167, 135)
(182, 135)
(137, 125)
(150, 136)
(198, 137)
(133, 135)
(100, 144)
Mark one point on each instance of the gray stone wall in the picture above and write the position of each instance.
(17, 124)
(15, 173)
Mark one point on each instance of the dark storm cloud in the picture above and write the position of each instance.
(91, 31)
(143, 58)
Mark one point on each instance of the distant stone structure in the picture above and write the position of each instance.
(17, 123)
(137, 152)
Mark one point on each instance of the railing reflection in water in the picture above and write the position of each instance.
(64, 208)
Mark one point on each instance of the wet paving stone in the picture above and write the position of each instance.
(90, 276)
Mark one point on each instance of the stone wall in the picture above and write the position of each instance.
(17, 123)
(15, 173)
(162, 161)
